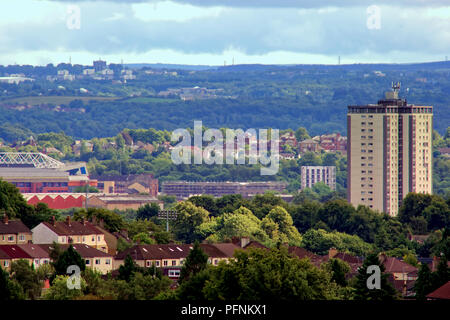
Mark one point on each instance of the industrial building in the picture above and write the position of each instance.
(389, 152)
(38, 173)
(186, 189)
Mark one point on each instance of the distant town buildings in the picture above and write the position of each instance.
(389, 153)
(310, 175)
(193, 93)
(99, 65)
(15, 79)
(186, 189)
(132, 183)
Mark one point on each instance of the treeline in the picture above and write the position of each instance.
(277, 97)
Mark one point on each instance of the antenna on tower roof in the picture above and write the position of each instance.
(396, 86)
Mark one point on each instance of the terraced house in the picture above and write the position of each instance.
(69, 232)
(14, 232)
(94, 259)
(170, 257)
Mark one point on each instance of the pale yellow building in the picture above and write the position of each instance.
(389, 152)
(69, 232)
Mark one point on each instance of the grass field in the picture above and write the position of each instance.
(57, 100)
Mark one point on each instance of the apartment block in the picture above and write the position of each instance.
(389, 152)
(310, 175)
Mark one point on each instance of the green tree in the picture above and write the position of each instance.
(27, 277)
(189, 217)
(301, 134)
(143, 238)
(338, 270)
(195, 262)
(59, 289)
(127, 270)
(66, 259)
(147, 211)
(424, 282)
(272, 275)
(362, 292)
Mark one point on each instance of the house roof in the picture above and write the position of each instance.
(212, 250)
(156, 251)
(84, 250)
(14, 252)
(442, 292)
(13, 227)
(228, 249)
(75, 228)
(394, 265)
(33, 250)
(300, 252)
(176, 251)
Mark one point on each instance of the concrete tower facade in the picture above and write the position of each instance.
(389, 152)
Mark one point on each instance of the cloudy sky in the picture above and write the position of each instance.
(213, 31)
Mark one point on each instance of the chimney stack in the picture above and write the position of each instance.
(5, 219)
(68, 220)
(245, 241)
(332, 253)
(83, 220)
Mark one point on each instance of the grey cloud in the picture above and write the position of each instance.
(288, 3)
(251, 31)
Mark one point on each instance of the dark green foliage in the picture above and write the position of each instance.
(127, 270)
(362, 292)
(10, 289)
(270, 275)
(66, 259)
(27, 277)
(147, 211)
(195, 262)
(424, 282)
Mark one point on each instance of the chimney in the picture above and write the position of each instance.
(5, 219)
(53, 221)
(68, 220)
(332, 253)
(245, 241)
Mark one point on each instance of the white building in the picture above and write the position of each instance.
(310, 175)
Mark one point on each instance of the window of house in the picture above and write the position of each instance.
(157, 263)
(63, 239)
(174, 262)
(165, 263)
(174, 273)
(84, 239)
(216, 261)
(93, 238)
(97, 261)
(6, 263)
(108, 261)
(36, 261)
(10, 238)
(148, 263)
(22, 237)
(88, 262)
(98, 238)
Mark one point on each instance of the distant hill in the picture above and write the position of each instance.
(169, 66)
(346, 67)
